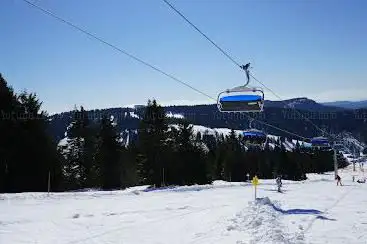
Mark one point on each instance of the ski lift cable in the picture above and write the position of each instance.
(299, 113)
(113, 46)
(235, 62)
(45, 11)
(202, 33)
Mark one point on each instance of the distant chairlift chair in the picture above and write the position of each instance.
(321, 143)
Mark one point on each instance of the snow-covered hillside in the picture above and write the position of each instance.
(127, 135)
(349, 140)
(289, 145)
(312, 211)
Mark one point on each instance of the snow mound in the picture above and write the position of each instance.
(194, 187)
(263, 225)
(263, 201)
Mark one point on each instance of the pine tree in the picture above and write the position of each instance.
(109, 155)
(198, 137)
(152, 137)
(191, 156)
(220, 155)
(8, 108)
(80, 169)
(129, 173)
(88, 133)
(233, 164)
(72, 167)
(297, 147)
(30, 152)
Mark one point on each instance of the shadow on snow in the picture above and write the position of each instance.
(295, 210)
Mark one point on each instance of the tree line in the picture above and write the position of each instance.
(93, 154)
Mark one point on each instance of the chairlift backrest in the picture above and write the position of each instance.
(241, 99)
(255, 138)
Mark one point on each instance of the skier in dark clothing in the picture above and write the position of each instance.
(279, 183)
(338, 180)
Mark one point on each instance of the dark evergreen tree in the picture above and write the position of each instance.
(129, 172)
(198, 137)
(152, 137)
(108, 155)
(220, 152)
(80, 169)
(191, 156)
(8, 110)
(28, 153)
(184, 141)
(44, 150)
(233, 163)
(342, 161)
(71, 164)
(298, 146)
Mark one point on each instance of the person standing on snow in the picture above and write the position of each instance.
(338, 180)
(279, 183)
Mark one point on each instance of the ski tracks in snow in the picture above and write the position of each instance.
(262, 224)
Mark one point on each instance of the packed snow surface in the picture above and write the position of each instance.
(312, 211)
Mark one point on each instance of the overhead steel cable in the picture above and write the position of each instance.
(202, 33)
(234, 61)
(113, 46)
(140, 60)
(280, 129)
(298, 112)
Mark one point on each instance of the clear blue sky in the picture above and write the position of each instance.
(313, 48)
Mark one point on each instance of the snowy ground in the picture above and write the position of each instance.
(313, 211)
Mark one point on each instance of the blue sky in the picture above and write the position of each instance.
(298, 48)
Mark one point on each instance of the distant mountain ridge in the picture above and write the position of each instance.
(302, 103)
(280, 114)
(347, 104)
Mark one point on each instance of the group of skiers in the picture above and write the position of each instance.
(279, 183)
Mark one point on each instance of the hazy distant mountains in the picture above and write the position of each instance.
(348, 104)
(331, 118)
(302, 103)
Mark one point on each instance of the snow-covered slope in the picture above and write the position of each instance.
(173, 115)
(127, 135)
(313, 211)
(225, 131)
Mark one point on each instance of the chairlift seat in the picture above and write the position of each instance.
(254, 137)
(320, 142)
(241, 103)
(254, 133)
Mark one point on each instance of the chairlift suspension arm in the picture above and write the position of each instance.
(250, 124)
(246, 69)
